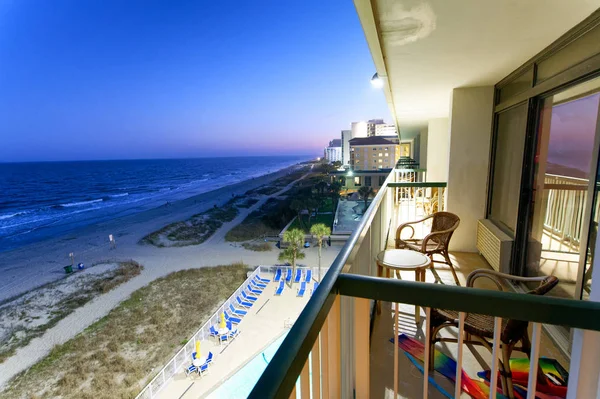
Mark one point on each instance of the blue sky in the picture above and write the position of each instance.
(150, 79)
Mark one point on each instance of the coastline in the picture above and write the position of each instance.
(32, 265)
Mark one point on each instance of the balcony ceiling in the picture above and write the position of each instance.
(427, 48)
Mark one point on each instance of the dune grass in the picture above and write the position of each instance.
(258, 247)
(116, 356)
(193, 231)
(29, 316)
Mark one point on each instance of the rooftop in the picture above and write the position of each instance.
(373, 140)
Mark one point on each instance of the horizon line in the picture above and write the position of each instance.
(161, 158)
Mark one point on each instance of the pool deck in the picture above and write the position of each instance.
(263, 324)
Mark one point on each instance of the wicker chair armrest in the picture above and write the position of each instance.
(409, 224)
(497, 277)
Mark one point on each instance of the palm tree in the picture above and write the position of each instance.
(365, 192)
(295, 239)
(319, 231)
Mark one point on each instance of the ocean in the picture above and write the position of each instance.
(39, 200)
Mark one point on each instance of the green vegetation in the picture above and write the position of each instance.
(365, 192)
(326, 220)
(30, 315)
(320, 231)
(269, 220)
(294, 238)
(257, 247)
(195, 230)
(116, 356)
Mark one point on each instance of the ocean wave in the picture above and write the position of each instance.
(80, 203)
(11, 215)
(118, 195)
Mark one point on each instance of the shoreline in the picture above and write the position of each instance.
(32, 265)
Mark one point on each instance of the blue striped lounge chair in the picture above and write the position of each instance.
(298, 276)
(243, 304)
(277, 276)
(302, 289)
(257, 286)
(249, 298)
(253, 290)
(263, 280)
(258, 283)
(308, 276)
(235, 311)
(279, 289)
(288, 274)
(233, 319)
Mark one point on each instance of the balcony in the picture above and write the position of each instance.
(340, 345)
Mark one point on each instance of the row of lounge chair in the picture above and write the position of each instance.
(297, 278)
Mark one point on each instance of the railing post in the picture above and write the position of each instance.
(305, 381)
(334, 351)
(316, 368)
(361, 348)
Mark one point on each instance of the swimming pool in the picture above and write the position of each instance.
(241, 383)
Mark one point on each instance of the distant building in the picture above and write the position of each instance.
(334, 151)
(372, 153)
(346, 137)
(354, 180)
(335, 143)
(386, 129)
(359, 129)
(372, 125)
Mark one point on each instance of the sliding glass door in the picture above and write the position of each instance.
(563, 210)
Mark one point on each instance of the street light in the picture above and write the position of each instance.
(377, 81)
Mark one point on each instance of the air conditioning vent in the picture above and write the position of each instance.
(494, 245)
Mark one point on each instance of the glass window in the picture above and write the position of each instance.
(357, 180)
(564, 170)
(508, 165)
(367, 180)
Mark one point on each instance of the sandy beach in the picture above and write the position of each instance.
(28, 267)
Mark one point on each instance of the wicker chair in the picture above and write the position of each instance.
(436, 242)
(479, 329)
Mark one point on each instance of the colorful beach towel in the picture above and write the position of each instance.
(446, 366)
(554, 384)
(554, 387)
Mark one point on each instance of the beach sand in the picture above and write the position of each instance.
(26, 268)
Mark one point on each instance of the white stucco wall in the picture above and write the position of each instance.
(471, 112)
(438, 149)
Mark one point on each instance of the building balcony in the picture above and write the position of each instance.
(343, 343)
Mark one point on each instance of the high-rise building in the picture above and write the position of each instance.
(372, 124)
(333, 152)
(359, 129)
(385, 129)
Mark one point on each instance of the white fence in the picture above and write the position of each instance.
(566, 199)
(182, 358)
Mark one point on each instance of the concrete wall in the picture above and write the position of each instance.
(424, 139)
(471, 113)
(438, 149)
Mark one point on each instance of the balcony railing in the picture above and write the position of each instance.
(566, 201)
(327, 351)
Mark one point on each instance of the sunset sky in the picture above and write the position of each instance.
(150, 79)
